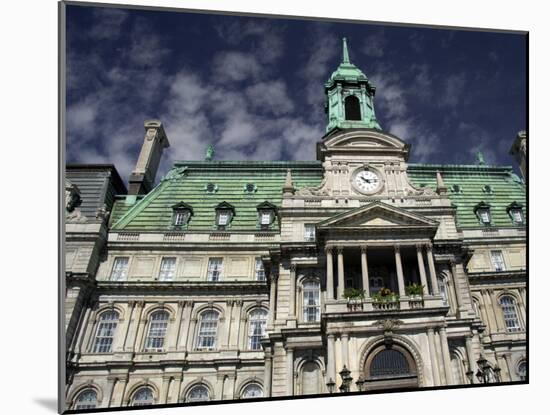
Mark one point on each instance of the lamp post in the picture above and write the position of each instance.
(360, 383)
(346, 379)
(485, 373)
(330, 385)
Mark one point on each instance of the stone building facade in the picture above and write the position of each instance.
(235, 280)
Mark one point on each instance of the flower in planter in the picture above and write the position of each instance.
(354, 293)
(385, 294)
(414, 289)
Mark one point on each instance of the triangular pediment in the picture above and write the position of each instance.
(378, 215)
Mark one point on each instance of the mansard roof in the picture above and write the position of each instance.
(153, 211)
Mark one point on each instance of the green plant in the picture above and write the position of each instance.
(385, 295)
(414, 289)
(352, 293)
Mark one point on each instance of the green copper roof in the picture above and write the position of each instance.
(504, 188)
(230, 179)
(346, 70)
(188, 183)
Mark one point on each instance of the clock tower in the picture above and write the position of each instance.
(349, 97)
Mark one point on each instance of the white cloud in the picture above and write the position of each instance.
(453, 90)
(235, 66)
(107, 23)
(374, 45)
(271, 96)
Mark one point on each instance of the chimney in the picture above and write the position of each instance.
(142, 178)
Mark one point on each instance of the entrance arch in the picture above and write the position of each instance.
(390, 366)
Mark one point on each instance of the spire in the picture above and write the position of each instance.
(441, 189)
(288, 188)
(345, 54)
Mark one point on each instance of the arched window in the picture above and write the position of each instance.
(198, 393)
(522, 370)
(311, 378)
(208, 330)
(312, 302)
(389, 363)
(510, 313)
(87, 399)
(158, 323)
(252, 390)
(142, 397)
(457, 368)
(105, 332)
(353, 108)
(256, 328)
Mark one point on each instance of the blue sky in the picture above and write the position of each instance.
(253, 87)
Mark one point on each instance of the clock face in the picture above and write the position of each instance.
(366, 181)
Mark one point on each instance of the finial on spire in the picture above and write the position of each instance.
(288, 188)
(345, 55)
(480, 159)
(209, 153)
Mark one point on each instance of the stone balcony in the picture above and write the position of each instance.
(405, 303)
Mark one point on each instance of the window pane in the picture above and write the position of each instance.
(498, 260)
(214, 269)
(223, 218)
(265, 218)
(252, 391)
(258, 321)
(167, 269)
(208, 330)
(309, 232)
(158, 324)
(516, 214)
(522, 370)
(389, 363)
(87, 399)
(509, 311)
(105, 332)
(311, 300)
(259, 268)
(485, 217)
(198, 393)
(144, 396)
(120, 269)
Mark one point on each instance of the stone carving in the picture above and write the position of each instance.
(72, 196)
(175, 173)
(102, 213)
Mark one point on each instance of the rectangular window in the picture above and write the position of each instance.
(157, 333)
(517, 216)
(105, 333)
(498, 260)
(311, 301)
(120, 269)
(167, 269)
(309, 232)
(215, 268)
(265, 218)
(207, 333)
(223, 218)
(259, 270)
(180, 218)
(485, 216)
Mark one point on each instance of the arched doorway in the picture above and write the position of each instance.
(390, 368)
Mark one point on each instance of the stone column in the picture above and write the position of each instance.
(341, 284)
(174, 333)
(399, 268)
(456, 283)
(176, 384)
(497, 311)
(292, 295)
(331, 359)
(238, 332)
(181, 341)
(344, 337)
(228, 323)
(124, 328)
(111, 380)
(330, 276)
(124, 382)
(190, 342)
(509, 366)
(290, 371)
(272, 300)
(133, 337)
(365, 270)
(431, 267)
(446, 354)
(165, 388)
(422, 269)
(268, 371)
(471, 358)
(433, 357)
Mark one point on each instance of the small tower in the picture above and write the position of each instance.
(142, 178)
(349, 97)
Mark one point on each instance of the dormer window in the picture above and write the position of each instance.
(224, 215)
(455, 188)
(515, 210)
(483, 212)
(182, 212)
(266, 214)
(488, 189)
